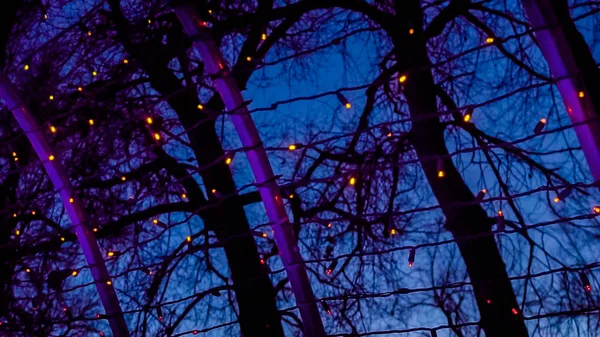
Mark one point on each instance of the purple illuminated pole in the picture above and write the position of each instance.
(269, 191)
(72, 204)
(566, 67)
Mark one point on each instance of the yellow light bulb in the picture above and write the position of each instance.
(441, 174)
(393, 231)
(126, 61)
(33, 212)
(111, 254)
(597, 209)
(214, 190)
(62, 239)
(91, 121)
(188, 239)
(543, 120)
(556, 199)
(228, 161)
(28, 270)
(411, 31)
(200, 107)
(292, 147)
(263, 36)
(467, 118)
(123, 178)
(14, 154)
(149, 21)
(74, 273)
(51, 157)
(17, 232)
(52, 129)
(155, 221)
(402, 79)
(89, 33)
(184, 196)
(26, 67)
(157, 136)
(352, 181)
(149, 120)
(581, 94)
(80, 89)
(51, 97)
(94, 73)
(489, 40)
(109, 282)
(71, 200)
(248, 58)
(95, 229)
(348, 105)
(500, 213)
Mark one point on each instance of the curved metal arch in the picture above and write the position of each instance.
(72, 205)
(269, 191)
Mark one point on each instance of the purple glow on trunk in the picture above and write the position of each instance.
(558, 54)
(261, 168)
(76, 212)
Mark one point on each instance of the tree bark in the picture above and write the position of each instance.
(482, 258)
(255, 294)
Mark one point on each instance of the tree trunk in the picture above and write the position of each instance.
(482, 258)
(255, 294)
(572, 64)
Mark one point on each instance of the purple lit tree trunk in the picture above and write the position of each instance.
(72, 205)
(259, 162)
(573, 66)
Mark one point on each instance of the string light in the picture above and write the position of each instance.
(352, 181)
(440, 168)
(51, 157)
(293, 147)
(402, 79)
(481, 195)
(467, 115)
(586, 282)
(248, 58)
(411, 31)
(562, 195)
(581, 94)
(343, 100)
(500, 221)
(200, 107)
(489, 40)
(259, 234)
(51, 97)
(331, 267)
(109, 283)
(184, 196)
(125, 61)
(157, 136)
(80, 89)
(515, 311)
(74, 273)
(411, 257)
(596, 209)
(326, 307)
(263, 36)
(26, 67)
(91, 122)
(149, 120)
(94, 73)
(71, 200)
(228, 161)
(539, 126)
(52, 129)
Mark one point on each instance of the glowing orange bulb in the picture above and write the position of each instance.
(14, 154)
(329, 225)
(111, 254)
(17, 232)
(95, 229)
(228, 161)
(348, 105)
(248, 58)
(188, 239)
(411, 31)
(91, 121)
(126, 61)
(71, 200)
(184, 196)
(393, 231)
(149, 120)
(410, 264)
(62, 239)
(52, 129)
(74, 273)
(556, 199)
(581, 94)
(597, 209)
(263, 36)
(402, 79)
(441, 174)
(214, 190)
(155, 221)
(51, 157)
(489, 40)
(543, 120)
(28, 270)
(109, 282)
(200, 107)
(157, 136)
(16, 159)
